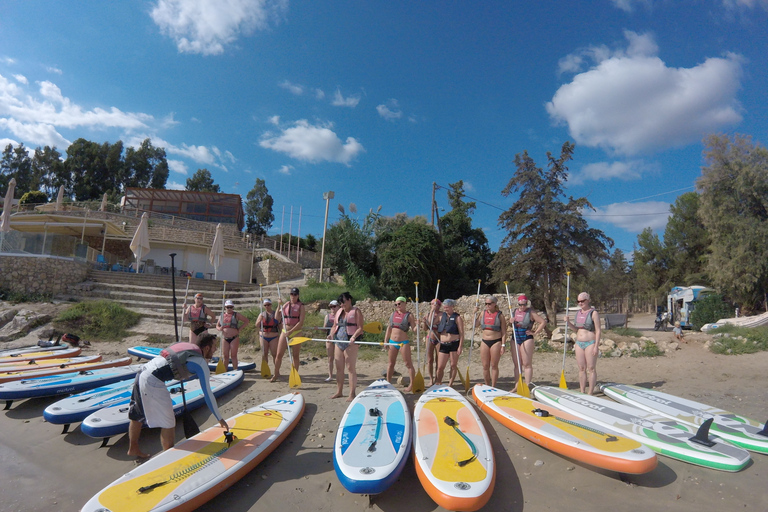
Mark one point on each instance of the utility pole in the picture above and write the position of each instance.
(290, 233)
(434, 186)
(327, 196)
(298, 236)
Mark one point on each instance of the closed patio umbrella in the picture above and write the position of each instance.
(103, 206)
(140, 243)
(60, 198)
(5, 220)
(217, 251)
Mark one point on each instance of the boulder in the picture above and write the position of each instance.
(22, 323)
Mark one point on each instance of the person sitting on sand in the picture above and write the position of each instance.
(400, 322)
(677, 332)
(151, 400)
(347, 327)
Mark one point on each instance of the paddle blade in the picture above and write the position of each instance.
(373, 328)
(299, 341)
(563, 384)
(190, 427)
(265, 370)
(294, 380)
(465, 381)
(220, 367)
(522, 388)
(418, 383)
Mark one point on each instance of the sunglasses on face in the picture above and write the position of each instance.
(582, 300)
(230, 307)
(398, 303)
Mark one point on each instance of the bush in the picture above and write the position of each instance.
(100, 320)
(739, 340)
(710, 309)
(34, 197)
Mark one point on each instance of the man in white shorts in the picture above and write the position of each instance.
(151, 401)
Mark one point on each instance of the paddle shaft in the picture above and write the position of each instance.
(567, 300)
(183, 308)
(514, 337)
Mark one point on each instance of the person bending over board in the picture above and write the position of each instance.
(230, 324)
(292, 317)
(588, 333)
(397, 334)
(198, 314)
(347, 327)
(151, 401)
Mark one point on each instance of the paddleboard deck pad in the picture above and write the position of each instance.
(451, 450)
(152, 352)
(196, 470)
(663, 435)
(79, 406)
(743, 432)
(373, 440)
(564, 433)
(40, 354)
(33, 348)
(112, 421)
(37, 364)
(64, 368)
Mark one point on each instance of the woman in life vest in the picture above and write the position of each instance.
(330, 347)
(522, 323)
(291, 315)
(429, 322)
(397, 334)
(494, 327)
(588, 333)
(230, 324)
(198, 315)
(347, 328)
(451, 329)
(269, 331)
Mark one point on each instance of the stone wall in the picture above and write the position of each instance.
(40, 274)
(270, 271)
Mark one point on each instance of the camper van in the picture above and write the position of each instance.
(682, 300)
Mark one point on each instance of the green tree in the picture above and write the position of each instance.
(34, 197)
(94, 168)
(687, 242)
(16, 163)
(413, 252)
(651, 265)
(350, 249)
(309, 242)
(466, 248)
(202, 181)
(145, 167)
(734, 210)
(48, 166)
(546, 235)
(258, 209)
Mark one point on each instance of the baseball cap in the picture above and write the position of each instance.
(229, 303)
(400, 299)
(267, 301)
(334, 303)
(294, 291)
(522, 298)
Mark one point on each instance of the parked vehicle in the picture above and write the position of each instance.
(681, 302)
(662, 319)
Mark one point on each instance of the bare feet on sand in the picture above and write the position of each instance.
(337, 395)
(275, 378)
(140, 456)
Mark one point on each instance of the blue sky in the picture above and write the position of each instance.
(377, 100)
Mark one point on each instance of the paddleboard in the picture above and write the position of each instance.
(152, 352)
(33, 348)
(664, 436)
(39, 354)
(113, 421)
(34, 364)
(564, 433)
(64, 368)
(451, 450)
(373, 440)
(738, 430)
(196, 470)
(79, 406)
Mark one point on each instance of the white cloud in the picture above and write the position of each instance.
(632, 102)
(5, 142)
(749, 4)
(178, 166)
(311, 143)
(207, 26)
(390, 110)
(8, 60)
(286, 169)
(599, 171)
(633, 217)
(173, 185)
(298, 90)
(319, 94)
(200, 154)
(54, 70)
(341, 101)
(629, 5)
(21, 79)
(275, 120)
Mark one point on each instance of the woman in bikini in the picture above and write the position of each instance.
(494, 333)
(230, 324)
(432, 339)
(197, 315)
(400, 322)
(587, 328)
(522, 322)
(330, 347)
(269, 331)
(451, 329)
(348, 328)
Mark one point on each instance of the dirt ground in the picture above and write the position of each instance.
(44, 470)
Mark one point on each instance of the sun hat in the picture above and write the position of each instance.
(267, 301)
(229, 303)
(333, 303)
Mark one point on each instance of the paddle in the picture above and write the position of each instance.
(221, 366)
(563, 384)
(370, 327)
(183, 308)
(433, 366)
(190, 427)
(417, 386)
(265, 373)
(465, 381)
(522, 387)
(294, 381)
(299, 340)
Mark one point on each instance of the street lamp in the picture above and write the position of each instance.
(327, 196)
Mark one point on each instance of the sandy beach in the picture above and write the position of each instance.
(44, 470)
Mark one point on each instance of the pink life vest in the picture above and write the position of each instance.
(292, 313)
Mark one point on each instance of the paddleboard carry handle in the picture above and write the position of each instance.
(702, 436)
(376, 413)
(541, 413)
(455, 424)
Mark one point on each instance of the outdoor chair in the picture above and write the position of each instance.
(101, 262)
(199, 275)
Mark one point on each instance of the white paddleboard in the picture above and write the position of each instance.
(79, 406)
(373, 440)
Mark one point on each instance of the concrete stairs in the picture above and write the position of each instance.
(151, 295)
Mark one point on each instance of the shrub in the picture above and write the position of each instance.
(739, 340)
(710, 309)
(97, 320)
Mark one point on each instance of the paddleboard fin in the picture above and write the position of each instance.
(764, 432)
(66, 428)
(104, 442)
(702, 436)
(7, 404)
